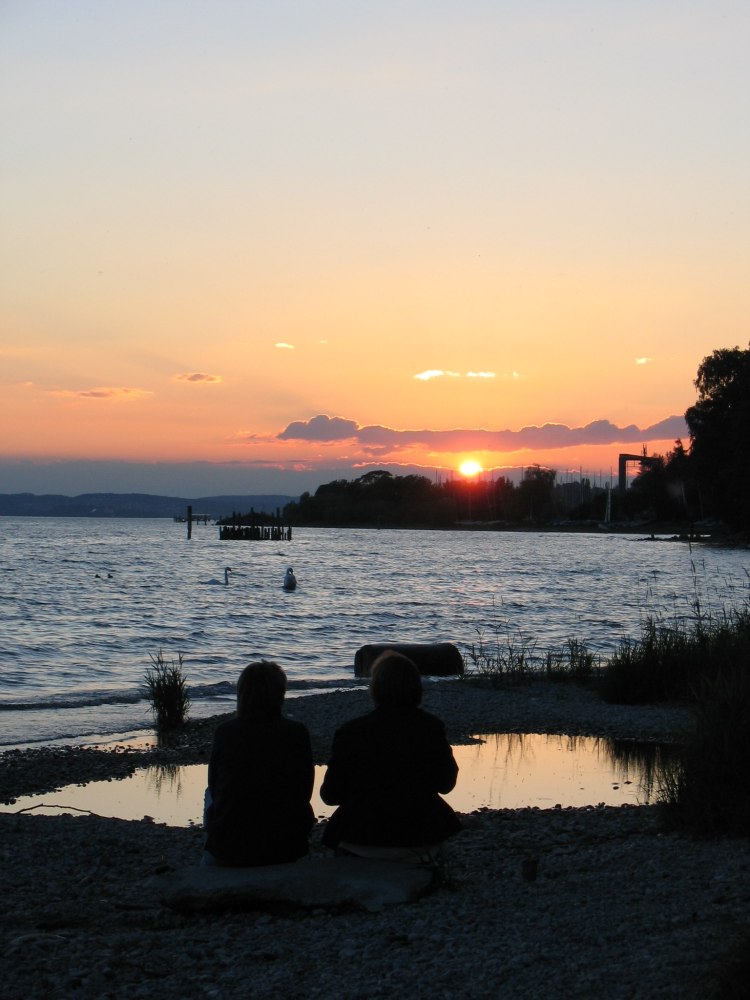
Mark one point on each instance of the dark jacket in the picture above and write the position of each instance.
(260, 778)
(385, 773)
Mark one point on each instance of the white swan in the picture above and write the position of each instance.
(221, 583)
(290, 580)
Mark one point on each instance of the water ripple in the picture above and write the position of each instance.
(88, 602)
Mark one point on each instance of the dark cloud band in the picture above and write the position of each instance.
(376, 438)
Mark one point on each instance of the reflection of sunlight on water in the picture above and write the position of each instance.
(503, 771)
(513, 770)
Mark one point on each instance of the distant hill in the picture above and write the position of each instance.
(134, 505)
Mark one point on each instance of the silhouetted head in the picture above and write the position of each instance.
(260, 690)
(395, 681)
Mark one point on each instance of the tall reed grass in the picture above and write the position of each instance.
(706, 789)
(505, 656)
(671, 660)
(500, 657)
(573, 661)
(166, 689)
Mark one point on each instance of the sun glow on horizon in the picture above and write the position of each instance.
(470, 468)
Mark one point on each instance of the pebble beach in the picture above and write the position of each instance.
(618, 907)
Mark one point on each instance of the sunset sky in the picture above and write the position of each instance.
(253, 246)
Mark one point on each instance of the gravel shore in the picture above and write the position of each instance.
(619, 909)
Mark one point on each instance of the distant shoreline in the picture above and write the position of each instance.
(148, 506)
(571, 527)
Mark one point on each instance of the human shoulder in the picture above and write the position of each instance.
(357, 725)
(292, 725)
(430, 721)
(227, 727)
(235, 727)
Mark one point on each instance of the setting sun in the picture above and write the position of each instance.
(470, 467)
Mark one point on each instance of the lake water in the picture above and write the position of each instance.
(86, 602)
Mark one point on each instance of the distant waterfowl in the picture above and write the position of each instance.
(290, 580)
(221, 583)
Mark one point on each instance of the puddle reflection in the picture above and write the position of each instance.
(513, 770)
(500, 771)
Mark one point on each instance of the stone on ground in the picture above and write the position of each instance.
(327, 883)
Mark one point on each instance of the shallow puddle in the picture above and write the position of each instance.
(499, 771)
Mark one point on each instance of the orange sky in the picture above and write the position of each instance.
(331, 236)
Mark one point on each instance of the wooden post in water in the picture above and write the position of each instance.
(190, 522)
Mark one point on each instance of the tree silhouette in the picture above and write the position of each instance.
(536, 493)
(719, 424)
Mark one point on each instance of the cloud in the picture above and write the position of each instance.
(116, 393)
(643, 361)
(283, 346)
(431, 373)
(196, 377)
(376, 438)
(320, 428)
(435, 373)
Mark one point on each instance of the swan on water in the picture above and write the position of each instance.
(290, 580)
(221, 583)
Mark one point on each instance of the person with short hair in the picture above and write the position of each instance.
(387, 770)
(260, 778)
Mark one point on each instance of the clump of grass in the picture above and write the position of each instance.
(649, 668)
(571, 662)
(501, 658)
(166, 688)
(670, 660)
(505, 656)
(705, 790)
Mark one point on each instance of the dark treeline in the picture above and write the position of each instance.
(380, 498)
(708, 479)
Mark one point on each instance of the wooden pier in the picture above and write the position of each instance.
(254, 527)
(255, 532)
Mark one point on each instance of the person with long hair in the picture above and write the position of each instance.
(260, 778)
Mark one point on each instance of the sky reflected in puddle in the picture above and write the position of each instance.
(500, 771)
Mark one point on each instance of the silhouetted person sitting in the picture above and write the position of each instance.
(260, 778)
(387, 769)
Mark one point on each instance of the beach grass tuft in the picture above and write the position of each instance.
(671, 659)
(505, 656)
(573, 661)
(166, 688)
(705, 789)
(499, 658)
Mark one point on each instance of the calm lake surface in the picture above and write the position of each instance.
(86, 602)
